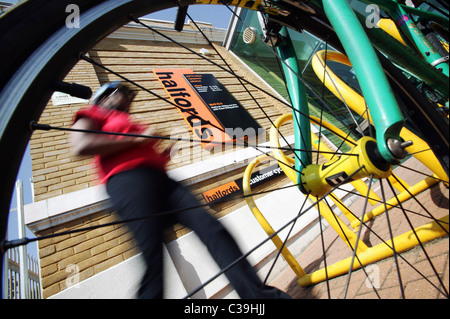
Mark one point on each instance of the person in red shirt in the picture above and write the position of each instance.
(142, 193)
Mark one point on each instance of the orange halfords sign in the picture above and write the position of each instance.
(230, 189)
(197, 115)
(220, 192)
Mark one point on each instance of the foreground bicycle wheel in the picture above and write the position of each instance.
(48, 54)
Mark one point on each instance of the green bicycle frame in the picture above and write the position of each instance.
(384, 110)
(425, 47)
(407, 58)
(402, 15)
(299, 100)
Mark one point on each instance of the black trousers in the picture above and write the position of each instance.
(143, 192)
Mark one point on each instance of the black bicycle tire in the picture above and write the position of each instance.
(56, 48)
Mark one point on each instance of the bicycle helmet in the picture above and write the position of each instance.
(111, 87)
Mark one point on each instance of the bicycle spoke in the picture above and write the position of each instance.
(391, 235)
(422, 173)
(420, 243)
(324, 252)
(417, 202)
(356, 247)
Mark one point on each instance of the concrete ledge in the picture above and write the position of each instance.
(57, 210)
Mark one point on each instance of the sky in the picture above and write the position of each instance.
(219, 16)
(24, 175)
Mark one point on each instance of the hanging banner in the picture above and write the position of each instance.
(59, 98)
(230, 113)
(233, 188)
(198, 116)
(213, 114)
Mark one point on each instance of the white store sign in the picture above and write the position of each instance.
(59, 98)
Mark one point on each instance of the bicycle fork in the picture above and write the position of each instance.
(374, 156)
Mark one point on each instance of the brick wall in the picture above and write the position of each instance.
(55, 170)
(68, 259)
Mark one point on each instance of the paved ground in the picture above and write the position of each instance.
(383, 272)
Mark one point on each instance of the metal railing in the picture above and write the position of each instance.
(21, 278)
(13, 289)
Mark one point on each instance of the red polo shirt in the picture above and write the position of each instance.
(120, 122)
